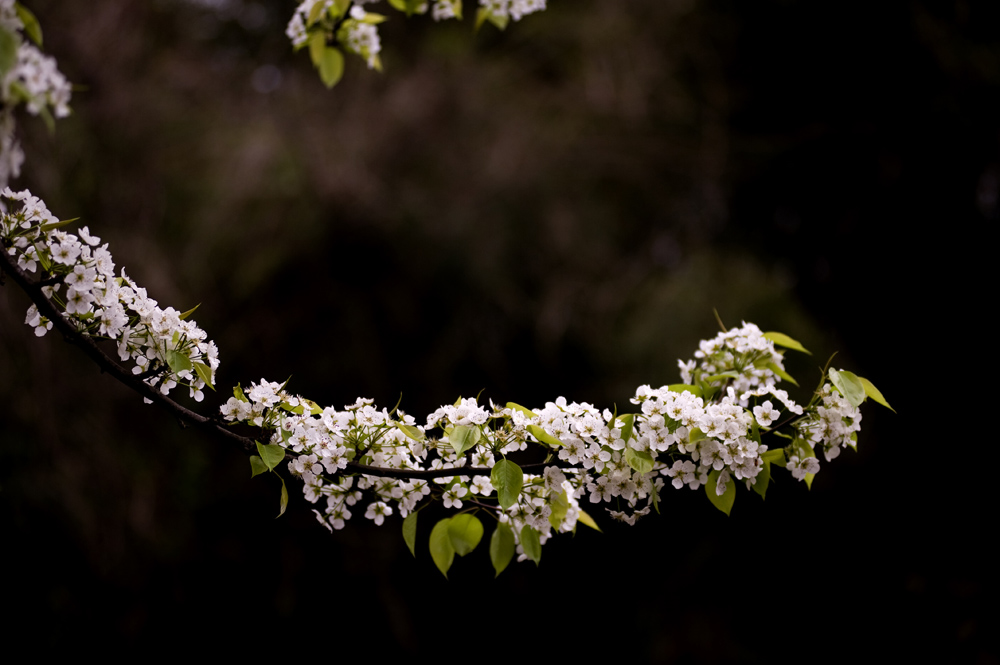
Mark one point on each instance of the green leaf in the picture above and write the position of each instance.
(731, 374)
(874, 393)
(784, 340)
(314, 13)
(257, 466)
(525, 411)
(178, 362)
(587, 520)
(317, 44)
(724, 502)
(412, 432)
(410, 532)
(530, 543)
(499, 21)
(398, 5)
(507, 479)
(543, 436)
(560, 506)
(56, 225)
(639, 460)
(628, 422)
(776, 456)
(8, 51)
(782, 373)
(463, 437)
(204, 373)
(465, 531)
(763, 479)
(189, 312)
(270, 453)
(849, 385)
(331, 66)
(238, 394)
(681, 387)
(481, 15)
(284, 497)
(501, 547)
(440, 546)
(31, 26)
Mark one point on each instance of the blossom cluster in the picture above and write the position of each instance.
(327, 25)
(706, 433)
(79, 277)
(26, 77)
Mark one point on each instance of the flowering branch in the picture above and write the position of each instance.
(706, 432)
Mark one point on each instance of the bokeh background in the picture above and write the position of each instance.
(552, 210)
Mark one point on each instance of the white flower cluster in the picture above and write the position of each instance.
(356, 31)
(703, 434)
(742, 354)
(514, 9)
(38, 82)
(833, 426)
(361, 37)
(79, 275)
(324, 440)
(32, 80)
(9, 20)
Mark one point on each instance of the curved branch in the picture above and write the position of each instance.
(107, 364)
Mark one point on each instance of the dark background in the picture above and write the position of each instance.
(553, 210)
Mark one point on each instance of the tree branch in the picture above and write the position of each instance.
(8, 265)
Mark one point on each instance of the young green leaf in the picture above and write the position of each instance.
(189, 312)
(238, 394)
(762, 479)
(178, 362)
(560, 506)
(412, 432)
(530, 543)
(8, 50)
(874, 393)
(284, 497)
(782, 373)
(639, 460)
(317, 44)
(465, 531)
(775, 456)
(204, 373)
(440, 546)
(525, 411)
(628, 422)
(463, 437)
(507, 479)
(501, 547)
(784, 340)
(410, 532)
(681, 387)
(587, 520)
(849, 385)
(331, 66)
(724, 502)
(31, 26)
(270, 453)
(543, 436)
(257, 466)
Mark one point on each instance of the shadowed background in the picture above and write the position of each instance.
(553, 210)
